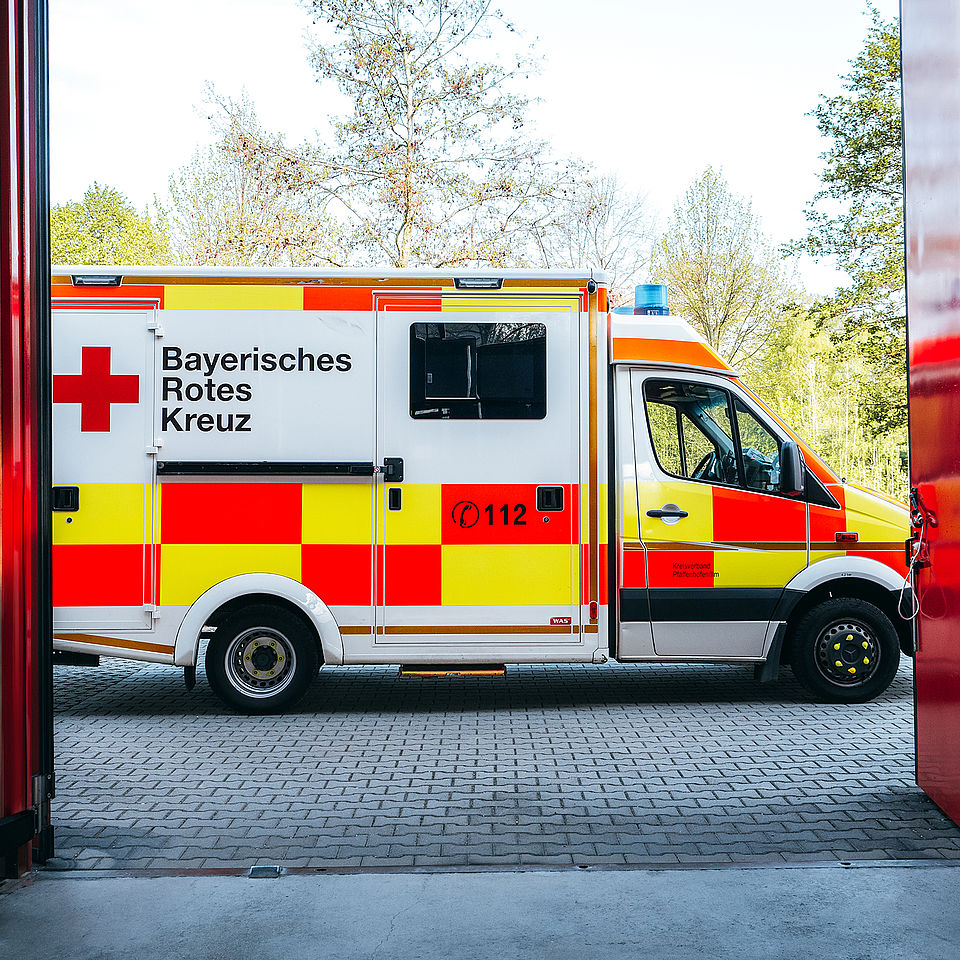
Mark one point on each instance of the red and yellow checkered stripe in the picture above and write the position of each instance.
(321, 534)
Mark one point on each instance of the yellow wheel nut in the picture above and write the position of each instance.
(849, 637)
(851, 670)
(864, 644)
(866, 659)
(836, 646)
(839, 663)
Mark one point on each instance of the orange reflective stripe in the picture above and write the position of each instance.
(690, 353)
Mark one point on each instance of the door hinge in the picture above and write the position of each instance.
(151, 608)
(154, 326)
(44, 788)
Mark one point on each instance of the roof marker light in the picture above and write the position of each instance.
(96, 280)
(478, 283)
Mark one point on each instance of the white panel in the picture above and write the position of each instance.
(635, 641)
(482, 451)
(719, 640)
(320, 409)
(117, 455)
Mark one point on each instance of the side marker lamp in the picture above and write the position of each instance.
(97, 280)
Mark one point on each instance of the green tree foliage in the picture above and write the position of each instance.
(243, 201)
(105, 228)
(723, 275)
(807, 381)
(857, 219)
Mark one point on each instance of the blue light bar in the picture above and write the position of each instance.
(650, 299)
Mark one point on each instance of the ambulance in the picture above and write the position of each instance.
(448, 471)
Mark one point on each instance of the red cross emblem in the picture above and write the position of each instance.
(95, 388)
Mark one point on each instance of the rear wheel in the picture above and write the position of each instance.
(845, 650)
(261, 659)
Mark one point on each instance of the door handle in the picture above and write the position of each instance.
(394, 498)
(668, 510)
(393, 469)
(65, 499)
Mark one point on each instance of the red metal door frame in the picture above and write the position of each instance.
(26, 743)
(930, 32)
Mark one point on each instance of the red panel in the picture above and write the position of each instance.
(338, 574)
(742, 517)
(98, 576)
(231, 513)
(473, 513)
(25, 735)
(892, 558)
(931, 77)
(633, 572)
(131, 291)
(826, 523)
(680, 568)
(329, 297)
(337, 298)
(412, 575)
(405, 304)
(604, 574)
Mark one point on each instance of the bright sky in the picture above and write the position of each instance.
(650, 90)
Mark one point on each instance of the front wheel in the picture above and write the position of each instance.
(261, 659)
(845, 650)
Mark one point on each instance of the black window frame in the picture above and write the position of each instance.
(814, 491)
(422, 407)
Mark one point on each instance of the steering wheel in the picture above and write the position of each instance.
(705, 467)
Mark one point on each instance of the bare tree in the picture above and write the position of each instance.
(598, 223)
(245, 202)
(431, 166)
(723, 274)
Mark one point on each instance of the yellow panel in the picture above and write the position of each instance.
(756, 568)
(816, 555)
(631, 529)
(189, 296)
(419, 519)
(695, 498)
(584, 512)
(874, 518)
(499, 304)
(602, 513)
(337, 513)
(187, 570)
(504, 573)
(109, 513)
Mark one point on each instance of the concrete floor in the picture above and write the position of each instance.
(854, 913)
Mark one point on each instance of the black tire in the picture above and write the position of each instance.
(845, 650)
(261, 659)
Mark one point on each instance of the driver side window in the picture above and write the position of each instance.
(691, 431)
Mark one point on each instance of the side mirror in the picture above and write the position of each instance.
(791, 469)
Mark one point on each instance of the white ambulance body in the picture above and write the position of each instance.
(445, 471)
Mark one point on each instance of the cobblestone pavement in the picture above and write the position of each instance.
(647, 764)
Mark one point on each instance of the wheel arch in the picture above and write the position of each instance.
(227, 595)
(857, 577)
